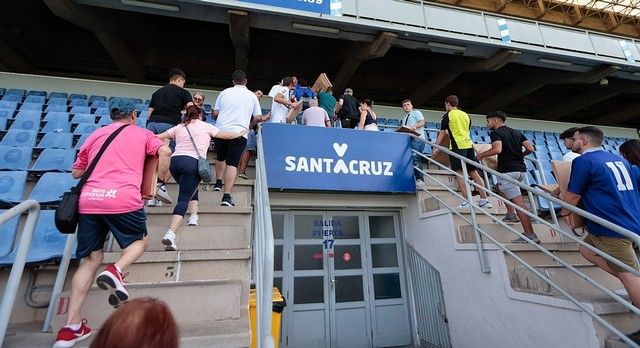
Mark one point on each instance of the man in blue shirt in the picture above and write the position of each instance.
(603, 182)
(415, 121)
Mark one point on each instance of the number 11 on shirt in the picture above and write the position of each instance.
(619, 171)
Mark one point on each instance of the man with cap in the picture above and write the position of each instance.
(110, 201)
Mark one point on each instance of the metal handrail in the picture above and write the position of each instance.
(555, 226)
(263, 259)
(13, 283)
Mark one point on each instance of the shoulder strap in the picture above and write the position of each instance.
(93, 164)
(192, 142)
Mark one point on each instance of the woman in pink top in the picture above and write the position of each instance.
(184, 165)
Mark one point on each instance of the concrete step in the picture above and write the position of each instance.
(242, 195)
(466, 234)
(232, 333)
(208, 215)
(201, 237)
(430, 201)
(190, 302)
(538, 259)
(183, 266)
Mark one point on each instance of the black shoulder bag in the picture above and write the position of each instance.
(67, 213)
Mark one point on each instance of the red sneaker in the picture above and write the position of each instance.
(111, 279)
(67, 337)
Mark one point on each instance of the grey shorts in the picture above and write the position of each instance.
(508, 189)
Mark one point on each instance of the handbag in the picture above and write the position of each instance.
(204, 168)
(67, 212)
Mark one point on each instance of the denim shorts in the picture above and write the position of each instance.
(93, 230)
(252, 141)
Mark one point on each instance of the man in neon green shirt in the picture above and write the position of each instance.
(457, 124)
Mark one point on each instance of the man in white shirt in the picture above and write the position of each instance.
(567, 138)
(234, 108)
(282, 109)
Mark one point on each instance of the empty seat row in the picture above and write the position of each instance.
(49, 160)
(47, 191)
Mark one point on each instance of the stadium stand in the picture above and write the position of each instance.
(12, 185)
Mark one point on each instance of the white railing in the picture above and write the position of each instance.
(263, 252)
(481, 233)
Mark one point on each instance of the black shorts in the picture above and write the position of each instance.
(456, 164)
(229, 151)
(94, 228)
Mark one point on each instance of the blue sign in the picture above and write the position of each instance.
(336, 159)
(317, 6)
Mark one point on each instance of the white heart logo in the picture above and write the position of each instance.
(340, 149)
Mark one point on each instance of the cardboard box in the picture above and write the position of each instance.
(321, 84)
(491, 161)
(562, 171)
(149, 177)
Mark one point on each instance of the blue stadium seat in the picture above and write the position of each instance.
(6, 112)
(19, 138)
(31, 106)
(26, 122)
(58, 95)
(542, 155)
(14, 158)
(105, 120)
(28, 113)
(393, 122)
(54, 160)
(3, 124)
(74, 96)
(56, 108)
(78, 109)
(97, 98)
(99, 104)
(137, 100)
(56, 141)
(49, 189)
(47, 244)
(83, 118)
(39, 99)
(14, 91)
(102, 112)
(57, 101)
(8, 233)
(144, 107)
(381, 121)
(2, 90)
(57, 127)
(142, 121)
(37, 93)
(556, 155)
(81, 141)
(431, 135)
(12, 185)
(85, 128)
(57, 116)
(7, 104)
(12, 98)
(546, 165)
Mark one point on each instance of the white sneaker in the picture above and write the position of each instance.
(193, 220)
(169, 241)
(484, 203)
(162, 194)
(152, 202)
(622, 293)
(464, 204)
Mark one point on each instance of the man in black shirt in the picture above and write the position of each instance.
(168, 102)
(348, 109)
(165, 110)
(507, 143)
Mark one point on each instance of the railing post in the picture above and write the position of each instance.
(9, 296)
(60, 277)
(481, 255)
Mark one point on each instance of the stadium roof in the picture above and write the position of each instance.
(64, 38)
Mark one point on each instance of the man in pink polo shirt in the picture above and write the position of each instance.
(110, 201)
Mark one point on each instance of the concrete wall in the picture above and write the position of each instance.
(108, 88)
(479, 310)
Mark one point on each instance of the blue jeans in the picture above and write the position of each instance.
(417, 145)
(159, 128)
(185, 170)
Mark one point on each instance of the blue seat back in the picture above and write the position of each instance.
(58, 95)
(99, 104)
(393, 122)
(31, 106)
(26, 122)
(57, 116)
(14, 158)
(74, 96)
(102, 112)
(56, 108)
(85, 128)
(12, 185)
(16, 91)
(48, 243)
(19, 138)
(97, 98)
(81, 141)
(8, 233)
(49, 189)
(79, 103)
(105, 120)
(6, 112)
(57, 126)
(59, 160)
(55, 140)
(57, 101)
(83, 118)
(80, 109)
(38, 99)
(12, 98)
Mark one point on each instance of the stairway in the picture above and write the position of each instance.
(525, 285)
